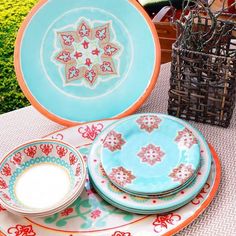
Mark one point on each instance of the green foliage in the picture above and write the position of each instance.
(12, 13)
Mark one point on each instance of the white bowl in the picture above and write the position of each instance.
(41, 177)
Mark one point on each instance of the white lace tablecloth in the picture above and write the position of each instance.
(220, 217)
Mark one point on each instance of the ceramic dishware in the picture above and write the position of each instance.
(84, 55)
(137, 204)
(98, 217)
(41, 177)
(150, 154)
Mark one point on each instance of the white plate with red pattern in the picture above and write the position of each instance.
(91, 215)
(149, 154)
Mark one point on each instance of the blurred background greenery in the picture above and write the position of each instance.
(12, 13)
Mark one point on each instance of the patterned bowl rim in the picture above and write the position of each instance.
(74, 192)
(130, 110)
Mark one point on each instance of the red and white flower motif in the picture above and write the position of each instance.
(162, 222)
(91, 132)
(16, 159)
(46, 148)
(182, 173)
(186, 138)
(110, 50)
(106, 67)
(102, 33)
(119, 233)
(151, 154)
(21, 230)
(67, 39)
(64, 57)
(148, 122)
(3, 184)
(61, 151)
(31, 151)
(73, 159)
(67, 211)
(78, 170)
(113, 141)
(72, 73)
(90, 75)
(5, 196)
(121, 176)
(95, 214)
(197, 200)
(88, 53)
(84, 30)
(6, 170)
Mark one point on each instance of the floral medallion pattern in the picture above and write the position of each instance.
(90, 53)
(16, 159)
(95, 214)
(151, 154)
(148, 122)
(6, 170)
(186, 139)
(21, 230)
(90, 132)
(31, 151)
(46, 148)
(113, 141)
(162, 222)
(182, 173)
(121, 176)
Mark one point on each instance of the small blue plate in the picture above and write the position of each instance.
(149, 154)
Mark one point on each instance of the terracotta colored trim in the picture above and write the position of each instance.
(57, 119)
(208, 200)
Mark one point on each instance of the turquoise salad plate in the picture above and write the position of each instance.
(87, 57)
(150, 154)
(142, 205)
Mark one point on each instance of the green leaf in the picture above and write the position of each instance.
(51, 219)
(86, 225)
(85, 203)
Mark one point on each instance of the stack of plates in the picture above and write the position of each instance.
(154, 158)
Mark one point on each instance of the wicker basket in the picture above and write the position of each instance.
(203, 84)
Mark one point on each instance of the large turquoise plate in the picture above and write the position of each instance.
(150, 154)
(78, 60)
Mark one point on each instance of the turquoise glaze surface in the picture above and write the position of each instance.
(148, 154)
(142, 205)
(87, 56)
